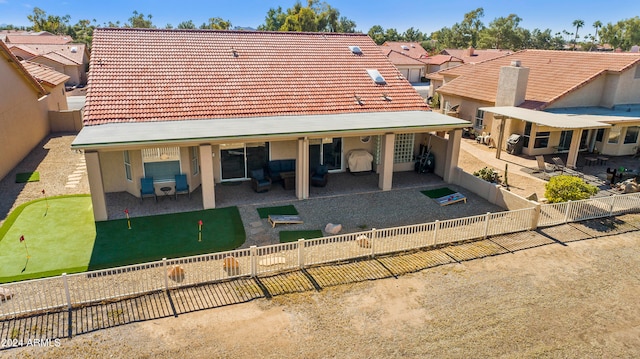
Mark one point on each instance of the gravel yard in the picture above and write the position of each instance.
(555, 300)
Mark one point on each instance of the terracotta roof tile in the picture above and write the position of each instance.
(68, 54)
(38, 39)
(45, 74)
(12, 59)
(157, 75)
(552, 74)
(411, 49)
(474, 56)
(441, 59)
(398, 58)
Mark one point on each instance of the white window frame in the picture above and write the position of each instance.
(195, 161)
(127, 166)
(161, 155)
(479, 120)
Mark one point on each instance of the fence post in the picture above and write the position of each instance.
(566, 213)
(435, 232)
(301, 252)
(373, 242)
(166, 274)
(66, 290)
(486, 224)
(613, 200)
(253, 259)
(535, 218)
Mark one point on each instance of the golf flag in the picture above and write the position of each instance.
(21, 238)
(43, 191)
(126, 210)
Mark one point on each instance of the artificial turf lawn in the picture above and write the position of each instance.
(169, 235)
(292, 236)
(282, 210)
(438, 192)
(58, 242)
(27, 177)
(67, 240)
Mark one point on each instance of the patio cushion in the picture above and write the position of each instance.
(258, 174)
(322, 170)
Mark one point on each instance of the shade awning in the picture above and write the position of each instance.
(548, 119)
(197, 131)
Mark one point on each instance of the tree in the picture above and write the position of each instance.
(216, 23)
(274, 20)
(315, 17)
(568, 188)
(51, 23)
(503, 33)
(472, 25)
(578, 24)
(597, 25)
(138, 20)
(413, 35)
(187, 25)
(376, 32)
(623, 34)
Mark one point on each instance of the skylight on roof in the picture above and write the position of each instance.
(405, 47)
(356, 50)
(376, 77)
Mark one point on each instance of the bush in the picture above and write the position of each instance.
(488, 174)
(568, 188)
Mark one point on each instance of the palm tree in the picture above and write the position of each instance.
(578, 24)
(597, 25)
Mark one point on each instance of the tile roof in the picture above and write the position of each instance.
(441, 59)
(413, 49)
(474, 56)
(45, 74)
(398, 58)
(552, 74)
(38, 39)
(68, 54)
(11, 58)
(139, 75)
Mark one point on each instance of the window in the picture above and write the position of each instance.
(127, 166)
(479, 118)
(599, 135)
(527, 134)
(195, 165)
(161, 163)
(542, 140)
(632, 134)
(403, 151)
(614, 134)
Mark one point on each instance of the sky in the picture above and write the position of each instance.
(426, 16)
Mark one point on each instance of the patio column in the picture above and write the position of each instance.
(96, 187)
(451, 157)
(572, 157)
(385, 177)
(302, 169)
(501, 123)
(208, 184)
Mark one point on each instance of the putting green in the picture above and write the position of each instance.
(59, 235)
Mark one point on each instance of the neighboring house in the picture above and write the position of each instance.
(37, 38)
(474, 56)
(235, 100)
(70, 59)
(25, 102)
(441, 62)
(529, 89)
(412, 69)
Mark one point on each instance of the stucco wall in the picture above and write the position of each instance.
(113, 174)
(23, 118)
(283, 150)
(57, 98)
(65, 121)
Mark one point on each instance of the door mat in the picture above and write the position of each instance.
(27, 177)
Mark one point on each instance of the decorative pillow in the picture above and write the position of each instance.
(258, 174)
(322, 170)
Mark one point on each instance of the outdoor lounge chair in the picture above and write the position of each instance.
(147, 189)
(181, 185)
(259, 181)
(320, 176)
(564, 169)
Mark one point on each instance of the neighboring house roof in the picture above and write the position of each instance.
(411, 49)
(11, 58)
(38, 39)
(552, 74)
(473, 56)
(400, 59)
(24, 48)
(441, 59)
(142, 75)
(57, 57)
(67, 54)
(45, 74)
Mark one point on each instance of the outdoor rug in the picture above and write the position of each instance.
(292, 236)
(27, 177)
(286, 210)
(438, 192)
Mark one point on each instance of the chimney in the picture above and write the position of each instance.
(469, 51)
(512, 84)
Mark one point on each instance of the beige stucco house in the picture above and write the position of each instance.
(68, 58)
(559, 101)
(234, 101)
(27, 95)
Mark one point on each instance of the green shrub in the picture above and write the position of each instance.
(568, 188)
(488, 174)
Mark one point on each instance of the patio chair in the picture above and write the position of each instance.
(259, 181)
(320, 176)
(542, 166)
(564, 169)
(181, 185)
(147, 189)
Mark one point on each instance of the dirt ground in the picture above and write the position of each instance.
(578, 299)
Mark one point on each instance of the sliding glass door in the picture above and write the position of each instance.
(237, 160)
(326, 151)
